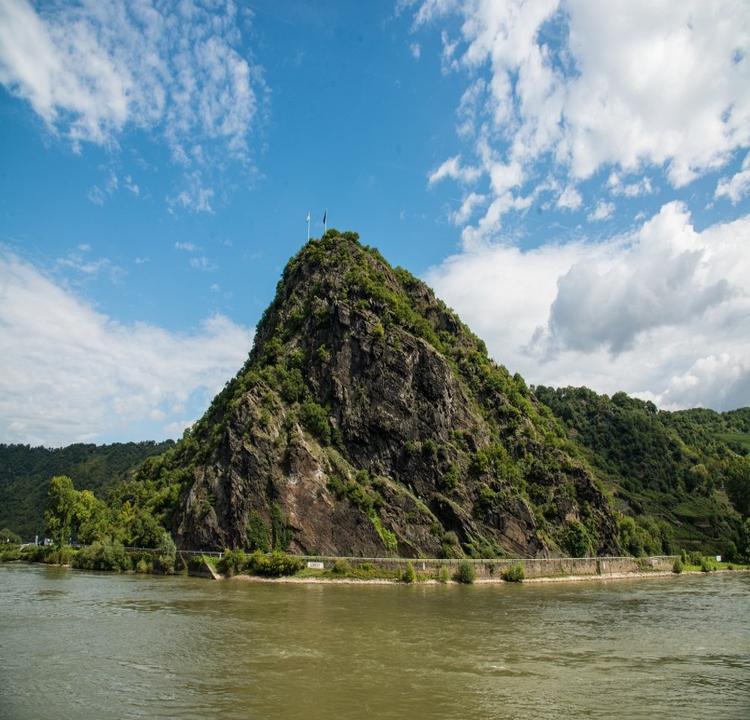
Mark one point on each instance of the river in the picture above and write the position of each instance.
(95, 646)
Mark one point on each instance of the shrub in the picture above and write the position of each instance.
(10, 554)
(342, 567)
(315, 419)
(513, 573)
(442, 574)
(142, 566)
(577, 541)
(695, 558)
(708, 565)
(166, 554)
(258, 536)
(59, 556)
(277, 564)
(465, 574)
(232, 562)
(408, 575)
(677, 567)
(106, 554)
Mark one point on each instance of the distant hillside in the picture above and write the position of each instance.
(683, 475)
(25, 473)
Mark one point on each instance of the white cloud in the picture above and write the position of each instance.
(634, 189)
(468, 205)
(131, 185)
(570, 199)
(736, 187)
(88, 266)
(602, 211)
(416, 50)
(663, 312)
(453, 169)
(195, 197)
(92, 70)
(587, 85)
(201, 263)
(70, 373)
(186, 246)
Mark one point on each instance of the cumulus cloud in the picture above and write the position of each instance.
(662, 312)
(69, 373)
(452, 168)
(602, 211)
(570, 199)
(737, 186)
(588, 85)
(93, 69)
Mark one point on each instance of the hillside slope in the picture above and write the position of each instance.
(369, 420)
(25, 473)
(684, 476)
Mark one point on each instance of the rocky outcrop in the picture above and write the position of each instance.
(369, 421)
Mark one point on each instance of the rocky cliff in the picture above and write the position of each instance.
(368, 420)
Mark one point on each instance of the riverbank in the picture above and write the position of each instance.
(279, 567)
(319, 579)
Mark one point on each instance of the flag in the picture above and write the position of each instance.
(308, 216)
(325, 216)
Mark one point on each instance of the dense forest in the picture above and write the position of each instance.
(680, 477)
(25, 474)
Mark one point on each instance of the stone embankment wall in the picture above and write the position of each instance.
(533, 567)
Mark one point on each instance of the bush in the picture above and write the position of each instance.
(59, 556)
(232, 562)
(142, 566)
(577, 541)
(9, 554)
(465, 574)
(677, 567)
(442, 574)
(342, 567)
(166, 554)
(513, 573)
(408, 575)
(315, 419)
(708, 565)
(102, 555)
(277, 564)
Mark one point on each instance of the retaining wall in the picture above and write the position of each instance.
(533, 567)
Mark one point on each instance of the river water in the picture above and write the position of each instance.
(96, 646)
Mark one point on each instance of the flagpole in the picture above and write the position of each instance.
(308, 226)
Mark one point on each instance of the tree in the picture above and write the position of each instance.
(61, 509)
(8, 536)
(90, 518)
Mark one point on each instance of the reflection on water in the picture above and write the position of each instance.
(79, 645)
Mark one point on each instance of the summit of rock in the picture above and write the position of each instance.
(369, 420)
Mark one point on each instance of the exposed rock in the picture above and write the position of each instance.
(369, 421)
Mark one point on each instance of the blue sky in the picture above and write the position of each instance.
(572, 179)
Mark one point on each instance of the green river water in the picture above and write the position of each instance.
(96, 646)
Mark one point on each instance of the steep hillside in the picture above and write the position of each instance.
(684, 476)
(25, 473)
(369, 420)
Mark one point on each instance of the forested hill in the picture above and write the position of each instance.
(682, 474)
(25, 473)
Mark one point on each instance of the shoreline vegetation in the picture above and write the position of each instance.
(236, 565)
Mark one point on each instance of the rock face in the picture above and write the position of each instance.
(369, 421)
